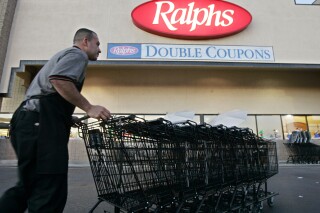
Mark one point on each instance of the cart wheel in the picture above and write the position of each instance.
(270, 201)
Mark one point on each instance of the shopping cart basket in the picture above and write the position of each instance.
(157, 166)
(303, 153)
(131, 169)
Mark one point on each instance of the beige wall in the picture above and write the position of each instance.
(7, 10)
(134, 89)
(42, 27)
(204, 90)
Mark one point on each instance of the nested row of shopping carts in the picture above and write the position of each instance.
(157, 166)
(303, 153)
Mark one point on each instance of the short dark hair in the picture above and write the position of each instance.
(83, 33)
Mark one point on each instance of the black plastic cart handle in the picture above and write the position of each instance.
(111, 120)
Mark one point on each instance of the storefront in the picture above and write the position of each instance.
(205, 56)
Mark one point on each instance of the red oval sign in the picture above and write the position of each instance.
(193, 19)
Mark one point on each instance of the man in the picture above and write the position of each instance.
(40, 128)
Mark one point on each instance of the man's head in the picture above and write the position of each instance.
(88, 41)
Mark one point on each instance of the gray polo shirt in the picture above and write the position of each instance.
(69, 65)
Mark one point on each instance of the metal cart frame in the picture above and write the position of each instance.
(157, 166)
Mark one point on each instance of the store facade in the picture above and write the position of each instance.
(206, 56)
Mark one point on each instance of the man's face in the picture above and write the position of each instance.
(93, 48)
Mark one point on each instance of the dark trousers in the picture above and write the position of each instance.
(36, 192)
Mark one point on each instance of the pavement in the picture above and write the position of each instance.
(298, 187)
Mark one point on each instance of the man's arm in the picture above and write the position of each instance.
(69, 92)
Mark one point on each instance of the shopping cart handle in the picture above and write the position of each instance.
(157, 121)
(111, 120)
(77, 122)
(118, 119)
(84, 118)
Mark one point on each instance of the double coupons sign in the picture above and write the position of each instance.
(191, 19)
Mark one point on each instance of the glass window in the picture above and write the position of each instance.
(314, 126)
(208, 118)
(291, 123)
(269, 127)
(4, 122)
(308, 2)
(250, 123)
(74, 134)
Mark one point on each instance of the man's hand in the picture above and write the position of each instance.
(98, 112)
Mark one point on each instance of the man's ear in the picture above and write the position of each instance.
(85, 41)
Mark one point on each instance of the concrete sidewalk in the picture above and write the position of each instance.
(298, 185)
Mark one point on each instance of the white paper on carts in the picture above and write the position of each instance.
(229, 119)
(179, 117)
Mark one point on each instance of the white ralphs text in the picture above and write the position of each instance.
(191, 16)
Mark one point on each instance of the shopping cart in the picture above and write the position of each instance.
(247, 162)
(157, 166)
(303, 153)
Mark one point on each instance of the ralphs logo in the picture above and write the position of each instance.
(191, 19)
(121, 50)
(124, 50)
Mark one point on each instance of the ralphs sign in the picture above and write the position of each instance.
(191, 19)
(124, 50)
